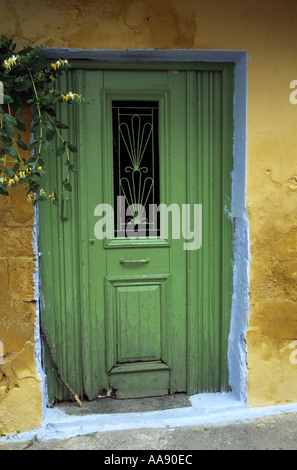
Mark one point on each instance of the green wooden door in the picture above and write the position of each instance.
(125, 305)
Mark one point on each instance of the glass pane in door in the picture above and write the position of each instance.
(136, 167)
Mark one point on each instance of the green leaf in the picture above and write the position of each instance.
(50, 135)
(6, 140)
(35, 126)
(62, 126)
(22, 145)
(7, 99)
(72, 148)
(19, 111)
(48, 125)
(60, 151)
(71, 167)
(20, 126)
(47, 146)
(51, 112)
(9, 130)
(33, 177)
(34, 144)
(10, 120)
(68, 186)
(22, 85)
(12, 152)
(3, 191)
(16, 167)
(9, 173)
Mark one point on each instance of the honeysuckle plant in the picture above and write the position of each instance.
(28, 80)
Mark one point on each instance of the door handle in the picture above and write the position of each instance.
(136, 261)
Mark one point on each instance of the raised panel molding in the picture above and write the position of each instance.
(137, 308)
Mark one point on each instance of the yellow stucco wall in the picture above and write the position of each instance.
(267, 30)
(20, 387)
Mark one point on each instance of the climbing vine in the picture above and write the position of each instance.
(27, 79)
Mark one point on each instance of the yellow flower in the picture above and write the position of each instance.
(30, 197)
(22, 174)
(71, 96)
(39, 168)
(42, 192)
(11, 62)
(52, 197)
(60, 63)
(10, 182)
(40, 75)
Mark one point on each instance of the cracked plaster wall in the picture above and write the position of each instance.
(267, 31)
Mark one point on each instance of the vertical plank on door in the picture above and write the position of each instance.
(209, 163)
(59, 265)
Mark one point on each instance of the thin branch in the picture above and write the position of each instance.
(39, 113)
(56, 367)
(63, 142)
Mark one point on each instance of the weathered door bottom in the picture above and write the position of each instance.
(138, 380)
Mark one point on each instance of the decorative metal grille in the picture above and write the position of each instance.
(136, 166)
